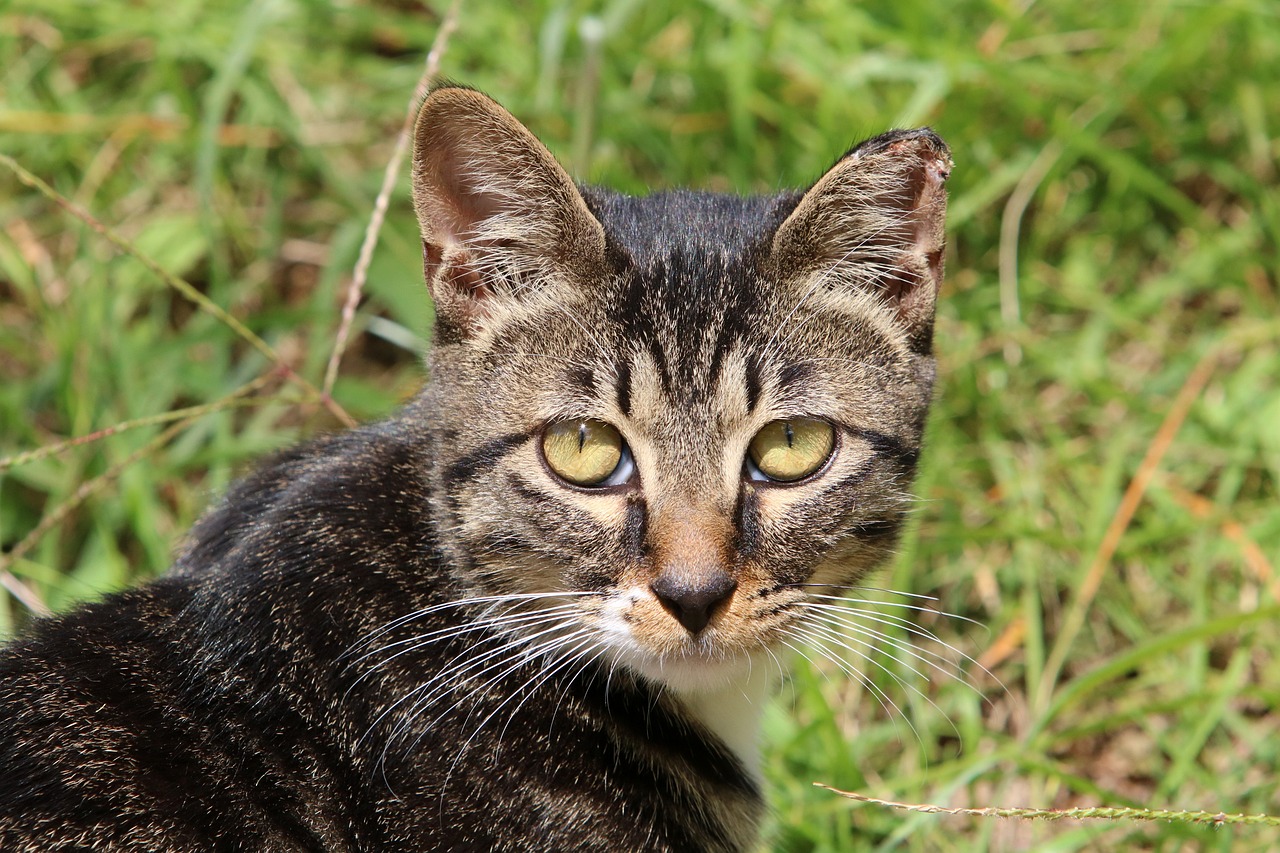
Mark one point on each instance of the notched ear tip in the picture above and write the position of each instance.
(926, 151)
(922, 142)
(935, 159)
(921, 152)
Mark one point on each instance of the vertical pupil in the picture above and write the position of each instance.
(786, 428)
(582, 436)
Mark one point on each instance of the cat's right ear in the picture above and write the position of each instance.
(501, 221)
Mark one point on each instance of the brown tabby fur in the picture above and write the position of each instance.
(417, 637)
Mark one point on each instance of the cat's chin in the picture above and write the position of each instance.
(687, 674)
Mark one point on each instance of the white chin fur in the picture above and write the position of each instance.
(694, 674)
(700, 670)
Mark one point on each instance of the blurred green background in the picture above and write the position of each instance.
(1112, 298)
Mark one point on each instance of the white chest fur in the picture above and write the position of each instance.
(732, 711)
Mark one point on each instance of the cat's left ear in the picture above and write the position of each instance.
(874, 223)
(501, 221)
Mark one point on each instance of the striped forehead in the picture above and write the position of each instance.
(686, 316)
(689, 288)
(694, 324)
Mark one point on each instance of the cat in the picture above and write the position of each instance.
(542, 607)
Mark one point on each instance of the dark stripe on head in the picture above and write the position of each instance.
(583, 378)
(747, 519)
(532, 496)
(752, 370)
(660, 362)
(482, 459)
(726, 339)
(623, 374)
(887, 445)
(636, 527)
(636, 315)
(796, 373)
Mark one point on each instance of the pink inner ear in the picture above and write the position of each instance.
(914, 288)
(459, 206)
(466, 280)
(468, 203)
(874, 222)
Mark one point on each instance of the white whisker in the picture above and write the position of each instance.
(460, 602)
(823, 633)
(891, 709)
(529, 687)
(509, 664)
(448, 677)
(537, 679)
(818, 643)
(854, 613)
(938, 663)
(900, 605)
(500, 620)
(864, 588)
(499, 625)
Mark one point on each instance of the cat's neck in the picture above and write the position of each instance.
(733, 712)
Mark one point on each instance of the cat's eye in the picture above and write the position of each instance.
(587, 453)
(788, 450)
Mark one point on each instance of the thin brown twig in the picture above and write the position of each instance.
(28, 456)
(361, 273)
(1129, 503)
(29, 597)
(16, 587)
(1009, 641)
(130, 126)
(1086, 813)
(79, 496)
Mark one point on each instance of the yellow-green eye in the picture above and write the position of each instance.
(587, 453)
(790, 449)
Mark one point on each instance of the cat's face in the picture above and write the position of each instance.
(684, 413)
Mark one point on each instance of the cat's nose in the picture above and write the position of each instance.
(693, 600)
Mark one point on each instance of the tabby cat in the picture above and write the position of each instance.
(542, 607)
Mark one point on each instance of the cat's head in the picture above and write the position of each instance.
(684, 413)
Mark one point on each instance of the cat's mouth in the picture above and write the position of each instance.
(642, 635)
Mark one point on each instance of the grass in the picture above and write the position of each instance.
(1100, 486)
